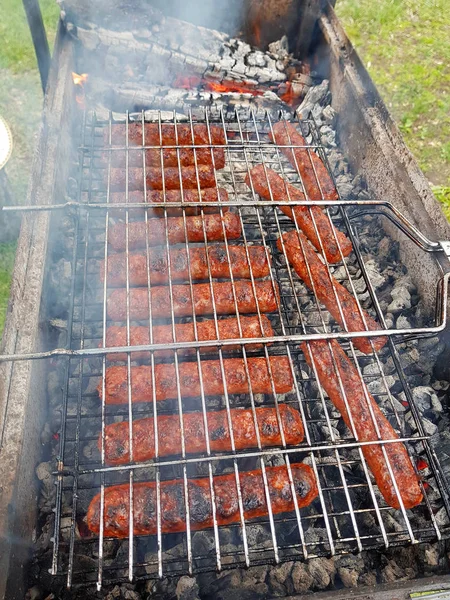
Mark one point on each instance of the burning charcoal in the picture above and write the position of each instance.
(315, 95)
(280, 580)
(255, 580)
(329, 115)
(429, 427)
(187, 589)
(322, 571)
(393, 572)
(422, 396)
(328, 138)
(280, 48)
(379, 386)
(349, 569)
(302, 581)
(401, 300)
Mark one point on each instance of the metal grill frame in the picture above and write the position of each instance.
(286, 341)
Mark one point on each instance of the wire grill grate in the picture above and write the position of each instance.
(349, 514)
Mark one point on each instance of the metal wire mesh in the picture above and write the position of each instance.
(349, 514)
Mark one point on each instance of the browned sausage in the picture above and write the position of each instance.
(185, 332)
(169, 157)
(180, 269)
(326, 355)
(317, 181)
(183, 135)
(161, 298)
(269, 185)
(202, 176)
(173, 508)
(302, 256)
(216, 227)
(158, 196)
(116, 384)
(117, 447)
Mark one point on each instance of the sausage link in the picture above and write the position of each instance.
(166, 136)
(173, 509)
(181, 269)
(269, 185)
(216, 227)
(326, 356)
(185, 332)
(158, 196)
(327, 288)
(266, 299)
(117, 447)
(168, 157)
(116, 385)
(304, 162)
(202, 176)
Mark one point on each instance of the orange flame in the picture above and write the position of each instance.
(79, 81)
(231, 86)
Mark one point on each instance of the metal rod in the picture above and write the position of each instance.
(39, 36)
(298, 318)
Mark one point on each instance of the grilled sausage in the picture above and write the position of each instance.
(269, 185)
(181, 269)
(173, 508)
(326, 355)
(161, 299)
(202, 176)
(158, 196)
(116, 384)
(185, 332)
(216, 228)
(168, 157)
(117, 447)
(316, 180)
(302, 256)
(166, 136)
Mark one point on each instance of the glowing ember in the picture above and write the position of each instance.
(231, 86)
(187, 82)
(421, 464)
(79, 81)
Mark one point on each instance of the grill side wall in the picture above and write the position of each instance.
(23, 402)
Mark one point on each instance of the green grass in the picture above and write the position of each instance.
(16, 51)
(406, 47)
(7, 252)
(21, 105)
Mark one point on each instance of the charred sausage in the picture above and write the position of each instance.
(316, 180)
(301, 256)
(117, 447)
(216, 228)
(116, 385)
(202, 176)
(269, 185)
(161, 300)
(173, 507)
(185, 332)
(329, 359)
(167, 135)
(158, 196)
(181, 269)
(168, 157)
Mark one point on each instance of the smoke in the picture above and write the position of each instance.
(226, 16)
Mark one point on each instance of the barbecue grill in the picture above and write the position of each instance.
(349, 514)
